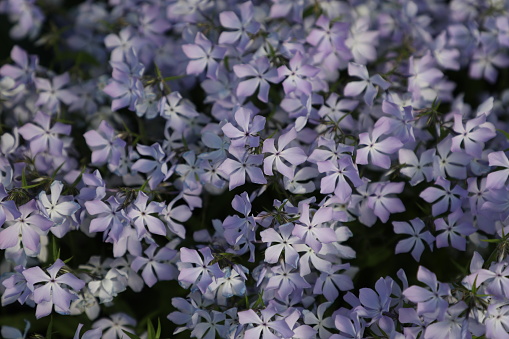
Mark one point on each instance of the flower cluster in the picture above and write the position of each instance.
(255, 169)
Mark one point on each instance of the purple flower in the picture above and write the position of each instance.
(155, 265)
(259, 74)
(174, 216)
(114, 328)
(197, 270)
(381, 201)
(415, 242)
(28, 227)
(240, 28)
(243, 164)
(16, 287)
(284, 281)
(110, 219)
(294, 155)
(355, 88)
(429, 302)
(454, 230)
(278, 241)
(42, 137)
(142, 215)
(329, 36)
(203, 54)
(498, 179)
(55, 290)
(177, 111)
(377, 152)
(310, 231)
(400, 122)
(330, 282)
(105, 145)
(51, 93)
(156, 169)
(362, 42)
(445, 199)
(473, 136)
(297, 75)
(26, 65)
(247, 132)
(448, 163)
(264, 326)
(8, 208)
(416, 169)
(337, 171)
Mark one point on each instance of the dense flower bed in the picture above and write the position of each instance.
(261, 169)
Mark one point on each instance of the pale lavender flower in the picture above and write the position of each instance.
(16, 287)
(55, 290)
(294, 155)
(377, 152)
(448, 163)
(337, 171)
(485, 58)
(174, 216)
(44, 137)
(114, 326)
(297, 74)
(309, 230)
(496, 322)
(400, 121)
(8, 208)
(203, 54)
(240, 28)
(51, 93)
(429, 302)
(26, 65)
(263, 326)
(454, 230)
(329, 36)
(498, 179)
(473, 136)
(258, 75)
(362, 42)
(415, 242)
(95, 333)
(177, 111)
(105, 145)
(142, 216)
(198, 271)
(110, 219)
(367, 84)
(157, 170)
(120, 44)
(329, 283)
(452, 326)
(28, 227)
(284, 281)
(382, 202)
(280, 240)
(245, 163)
(155, 265)
(417, 169)
(444, 199)
(247, 132)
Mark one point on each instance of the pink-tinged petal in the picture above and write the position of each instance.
(230, 20)
(380, 159)
(196, 66)
(358, 70)
(96, 207)
(194, 51)
(284, 169)
(497, 179)
(286, 138)
(498, 159)
(248, 87)
(94, 139)
(229, 37)
(71, 280)
(35, 275)
(417, 294)
(30, 238)
(370, 94)
(273, 253)
(9, 237)
(354, 88)
(323, 215)
(30, 131)
(242, 71)
(61, 297)
(155, 225)
(379, 81)
(431, 194)
(189, 255)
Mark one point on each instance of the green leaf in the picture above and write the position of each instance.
(131, 335)
(150, 329)
(49, 331)
(158, 332)
(23, 178)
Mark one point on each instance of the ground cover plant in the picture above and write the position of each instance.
(254, 169)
